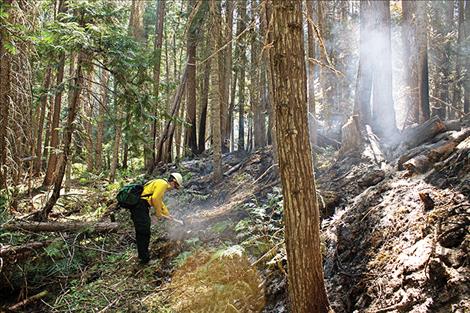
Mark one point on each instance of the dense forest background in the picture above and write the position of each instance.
(238, 96)
(138, 80)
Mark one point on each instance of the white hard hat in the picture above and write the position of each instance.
(178, 178)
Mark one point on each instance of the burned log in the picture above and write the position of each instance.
(62, 227)
(422, 133)
(419, 164)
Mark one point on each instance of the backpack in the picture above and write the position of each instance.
(130, 195)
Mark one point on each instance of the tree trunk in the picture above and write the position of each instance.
(54, 128)
(100, 124)
(301, 215)
(457, 95)
(42, 114)
(241, 88)
(383, 112)
(216, 86)
(173, 112)
(157, 55)
(190, 131)
(88, 117)
(364, 72)
(269, 71)
(312, 125)
(117, 137)
(226, 122)
(466, 81)
(68, 131)
(204, 102)
(257, 138)
(5, 85)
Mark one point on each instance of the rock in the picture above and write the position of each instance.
(371, 178)
(416, 256)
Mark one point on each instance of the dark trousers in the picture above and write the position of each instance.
(140, 217)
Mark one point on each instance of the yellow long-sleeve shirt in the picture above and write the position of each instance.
(153, 192)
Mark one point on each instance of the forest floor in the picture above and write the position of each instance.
(386, 246)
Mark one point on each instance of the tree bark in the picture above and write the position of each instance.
(54, 128)
(100, 124)
(68, 131)
(457, 95)
(364, 72)
(173, 112)
(383, 112)
(5, 86)
(241, 88)
(267, 18)
(301, 215)
(157, 55)
(42, 114)
(204, 102)
(88, 117)
(226, 122)
(216, 87)
(312, 125)
(411, 52)
(190, 131)
(466, 81)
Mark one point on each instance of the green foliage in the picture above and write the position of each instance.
(221, 226)
(228, 252)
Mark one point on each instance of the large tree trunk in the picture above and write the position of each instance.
(157, 55)
(302, 221)
(54, 127)
(466, 81)
(267, 60)
(457, 95)
(68, 131)
(411, 52)
(444, 18)
(364, 72)
(216, 86)
(190, 132)
(5, 85)
(383, 112)
(226, 122)
(257, 139)
(100, 123)
(312, 125)
(42, 114)
(241, 87)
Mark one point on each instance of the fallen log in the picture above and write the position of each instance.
(62, 227)
(422, 133)
(419, 164)
(21, 252)
(29, 300)
(453, 125)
